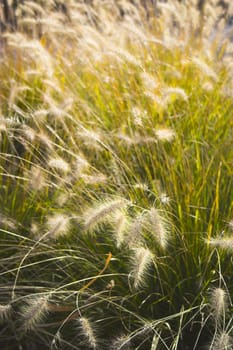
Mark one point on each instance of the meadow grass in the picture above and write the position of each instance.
(116, 178)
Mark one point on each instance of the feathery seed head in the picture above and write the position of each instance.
(121, 343)
(135, 228)
(81, 164)
(218, 303)
(138, 115)
(157, 227)
(40, 115)
(90, 138)
(208, 86)
(88, 332)
(5, 311)
(141, 261)
(7, 222)
(128, 57)
(59, 164)
(36, 178)
(58, 225)
(164, 198)
(165, 134)
(126, 139)
(29, 133)
(51, 86)
(149, 81)
(32, 50)
(93, 216)
(176, 92)
(94, 179)
(34, 230)
(230, 225)
(33, 312)
(223, 341)
(141, 186)
(44, 139)
(62, 199)
(221, 242)
(120, 227)
(137, 112)
(32, 8)
(204, 68)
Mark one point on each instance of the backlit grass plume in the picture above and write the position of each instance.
(120, 225)
(58, 225)
(141, 261)
(100, 212)
(33, 312)
(218, 304)
(223, 341)
(225, 243)
(88, 332)
(116, 174)
(157, 227)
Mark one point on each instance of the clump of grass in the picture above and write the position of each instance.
(116, 118)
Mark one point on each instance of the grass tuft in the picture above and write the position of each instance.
(116, 175)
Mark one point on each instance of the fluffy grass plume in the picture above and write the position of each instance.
(95, 215)
(158, 227)
(33, 312)
(135, 230)
(59, 164)
(88, 332)
(58, 225)
(221, 242)
(218, 304)
(223, 341)
(122, 342)
(120, 225)
(141, 261)
(5, 311)
(103, 101)
(165, 134)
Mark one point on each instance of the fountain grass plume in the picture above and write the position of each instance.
(120, 227)
(5, 311)
(33, 312)
(141, 261)
(58, 225)
(100, 212)
(97, 121)
(157, 227)
(225, 243)
(218, 304)
(88, 332)
(223, 341)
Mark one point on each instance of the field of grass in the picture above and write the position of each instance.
(116, 174)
